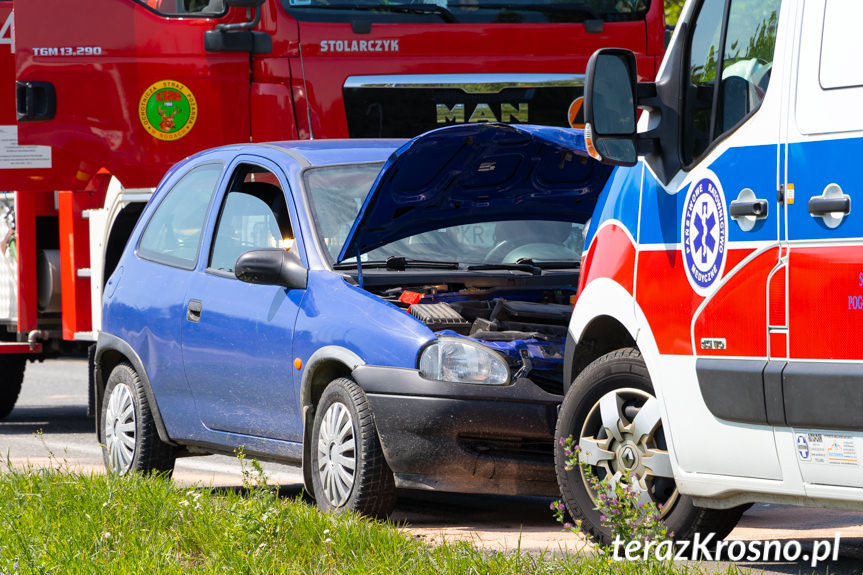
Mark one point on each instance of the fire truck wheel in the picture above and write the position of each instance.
(12, 368)
(130, 441)
(612, 415)
(348, 466)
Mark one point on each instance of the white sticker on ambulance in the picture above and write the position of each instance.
(826, 449)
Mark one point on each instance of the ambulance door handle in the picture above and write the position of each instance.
(755, 208)
(832, 206)
(819, 205)
(748, 209)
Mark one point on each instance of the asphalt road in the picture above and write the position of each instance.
(49, 427)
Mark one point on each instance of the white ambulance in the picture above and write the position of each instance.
(716, 347)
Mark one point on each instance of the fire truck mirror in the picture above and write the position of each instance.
(244, 3)
(254, 42)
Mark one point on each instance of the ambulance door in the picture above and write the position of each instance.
(823, 379)
(126, 85)
(712, 302)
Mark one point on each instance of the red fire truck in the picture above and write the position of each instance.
(110, 93)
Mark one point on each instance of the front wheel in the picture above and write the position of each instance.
(348, 466)
(130, 441)
(612, 414)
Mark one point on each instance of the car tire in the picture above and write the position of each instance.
(12, 368)
(349, 471)
(130, 441)
(614, 390)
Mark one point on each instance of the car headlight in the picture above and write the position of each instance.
(462, 361)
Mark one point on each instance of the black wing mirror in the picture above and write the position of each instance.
(272, 266)
(610, 102)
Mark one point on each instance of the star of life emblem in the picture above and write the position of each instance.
(705, 234)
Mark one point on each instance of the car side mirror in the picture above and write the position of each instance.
(610, 107)
(272, 266)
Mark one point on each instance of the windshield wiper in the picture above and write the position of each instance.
(519, 267)
(549, 8)
(550, 265)
(399, 263)
(444, 13)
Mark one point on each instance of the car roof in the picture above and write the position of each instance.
(312, 153)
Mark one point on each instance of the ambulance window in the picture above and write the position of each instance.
(829, 75)
(743, 51)
(748, 59)
(206, 8)
(841, 44)
(698, 103)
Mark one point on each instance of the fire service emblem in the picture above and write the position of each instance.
(168, 110)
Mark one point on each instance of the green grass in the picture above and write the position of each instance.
(53, 521)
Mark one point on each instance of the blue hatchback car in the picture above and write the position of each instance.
(383, 313)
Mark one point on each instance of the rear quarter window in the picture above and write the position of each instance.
(173, 233)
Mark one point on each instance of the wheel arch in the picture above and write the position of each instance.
(326, 364)
(110, 352)
(603, 320)
(601, 336)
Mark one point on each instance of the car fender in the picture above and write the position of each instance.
(110, 351)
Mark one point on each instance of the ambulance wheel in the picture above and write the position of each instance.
(612, 415)
(12, 370)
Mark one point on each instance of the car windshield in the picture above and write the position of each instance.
(336, 194)
(462, 11)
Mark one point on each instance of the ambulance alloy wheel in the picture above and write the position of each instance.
(128, 433)
(11, 376)
(613, 416)
(348, 466)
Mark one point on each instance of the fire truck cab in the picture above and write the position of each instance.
(714, 347)
(108, 94)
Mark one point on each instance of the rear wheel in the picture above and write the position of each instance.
(612, 414)
(11, 377)
(349, 471)
(130, 441)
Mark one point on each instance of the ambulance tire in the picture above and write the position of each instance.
(12, 370)
(624, 373)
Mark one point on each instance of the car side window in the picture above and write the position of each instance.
(736, 38)
(254, 215)
(173, 233)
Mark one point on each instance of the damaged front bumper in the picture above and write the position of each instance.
(461, 437)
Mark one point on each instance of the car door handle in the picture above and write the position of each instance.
(741, 208)
(193, 311)
(820, 205)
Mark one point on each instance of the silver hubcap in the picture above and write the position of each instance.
(337, 454)
(623, 431)
(120, 429)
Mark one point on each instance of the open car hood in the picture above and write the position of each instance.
(478, 173)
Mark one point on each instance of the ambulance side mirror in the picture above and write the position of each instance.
(610, 107)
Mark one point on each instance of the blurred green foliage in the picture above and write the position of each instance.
(672, 11)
